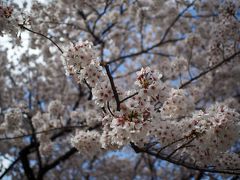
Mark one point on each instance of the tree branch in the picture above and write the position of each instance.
(10, 167)
(115, 93)
(41, 132)
(161, 42)
(182, 163)
(23, 155)
(38, 33)
(210, 69)
(56, 162)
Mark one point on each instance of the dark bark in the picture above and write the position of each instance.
(56, 162)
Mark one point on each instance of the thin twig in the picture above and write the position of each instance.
(40, 132)
(38, 33)
(210, 69)
(180, 147)
(164, 147)
(128, 97)
(109, 109)
(185, 164)
(162, 41)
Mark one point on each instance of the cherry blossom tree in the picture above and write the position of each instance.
(120, 89)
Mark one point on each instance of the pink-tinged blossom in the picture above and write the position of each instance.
(56, 108)
(78, 57)
(102, 93)
(13, 119)
(92, 74)
(148, 81)
(87, 142)
(178, 104)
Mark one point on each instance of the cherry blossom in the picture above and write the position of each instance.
(120, 89)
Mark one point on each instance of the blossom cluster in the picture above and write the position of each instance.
(90, 118)
(13, 119)
(215, 131)
(193, 45)
(5, 12)
(7, 20)
(87, 142)
(53, 118)
(175, 67)
(177, 104)
(81, 61)
(153, 110)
